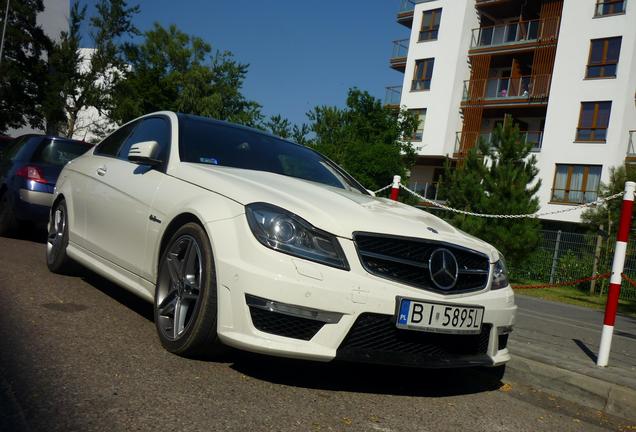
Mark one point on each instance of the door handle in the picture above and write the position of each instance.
(101, 171)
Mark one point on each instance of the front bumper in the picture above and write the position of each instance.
(365, 304)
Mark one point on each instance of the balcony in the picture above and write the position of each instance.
(464, 141)
(512, 35)
(405, 15)
(630, 157)
(528, 89)
(400, 52)
(393, 96)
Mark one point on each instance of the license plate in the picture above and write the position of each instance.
(439, 317)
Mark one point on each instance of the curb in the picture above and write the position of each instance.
(591, 392)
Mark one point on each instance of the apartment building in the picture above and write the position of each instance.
(563, 70)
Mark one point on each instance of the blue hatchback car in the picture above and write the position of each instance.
(29, 168)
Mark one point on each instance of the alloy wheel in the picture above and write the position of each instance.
(179, 287)
(57, 228)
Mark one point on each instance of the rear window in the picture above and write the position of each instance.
(59, 152)
(18, 149)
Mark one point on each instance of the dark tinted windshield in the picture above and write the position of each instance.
(207, 142)
(59, 152)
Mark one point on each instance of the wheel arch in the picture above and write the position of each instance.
(176, 223)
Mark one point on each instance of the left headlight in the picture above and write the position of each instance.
(499, 274)
(286, 232)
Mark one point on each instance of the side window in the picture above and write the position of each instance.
(149, 129)
(111, 145)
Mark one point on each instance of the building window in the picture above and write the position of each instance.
(609, 7)
(430, 25)
(421, 116)
(423, 74)
(603, 58)
(593, 121)
(576, 184)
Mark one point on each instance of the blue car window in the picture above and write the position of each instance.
(59, 152)
(20, 149)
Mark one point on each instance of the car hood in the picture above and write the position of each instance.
(334, 210)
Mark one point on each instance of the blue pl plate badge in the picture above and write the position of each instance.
(404, 311)
(210, 161)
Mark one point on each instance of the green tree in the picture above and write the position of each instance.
(498, 177)
(283, 128)
(609, 214)
(77, 81)
(171, 70)
(23, 66)
(365, 138)
(279, 126)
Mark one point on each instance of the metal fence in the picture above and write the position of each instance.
(565, 256)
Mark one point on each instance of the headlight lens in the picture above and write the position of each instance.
(499, 275)
(286, 232)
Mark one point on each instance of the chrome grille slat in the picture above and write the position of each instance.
(406, 260)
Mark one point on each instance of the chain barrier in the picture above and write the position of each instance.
(629, 280)
(382, 189)
(599, 201)
(567, 283)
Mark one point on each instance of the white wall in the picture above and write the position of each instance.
(450, 70)
(54, 19)
(569, 89)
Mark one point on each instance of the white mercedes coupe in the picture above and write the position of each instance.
(243, 239)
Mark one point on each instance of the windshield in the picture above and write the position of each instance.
(59, 152)
(209, 142)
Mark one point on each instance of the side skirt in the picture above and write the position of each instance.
(112, 272)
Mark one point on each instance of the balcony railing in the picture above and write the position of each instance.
(393, 95)
(609, 7)
(400, 48)
(409, 5)
(427, 190)
(523, 87)
(515, 33)
(631, 146)
(464, 141)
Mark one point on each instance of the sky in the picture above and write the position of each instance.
(301, 53)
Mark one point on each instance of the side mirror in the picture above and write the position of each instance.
(371, 192)
(144, 153)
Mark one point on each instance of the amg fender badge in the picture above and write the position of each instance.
(154, 218)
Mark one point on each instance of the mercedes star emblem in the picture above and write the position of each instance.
(443, 268)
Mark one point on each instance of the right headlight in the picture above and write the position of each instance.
(286, 232)
(499, 275)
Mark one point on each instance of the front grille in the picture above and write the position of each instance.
(284, 325)
(374, 338)
(405, 260)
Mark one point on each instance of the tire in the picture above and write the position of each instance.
(57, 240)
(186, 295)
(8, 222)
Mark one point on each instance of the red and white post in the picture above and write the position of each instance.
(617, 271)
(395, 187)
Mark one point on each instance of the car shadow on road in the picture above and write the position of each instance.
(29, 232)
(117, 293)
(363, 378)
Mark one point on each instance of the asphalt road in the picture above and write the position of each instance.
(79, 353)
